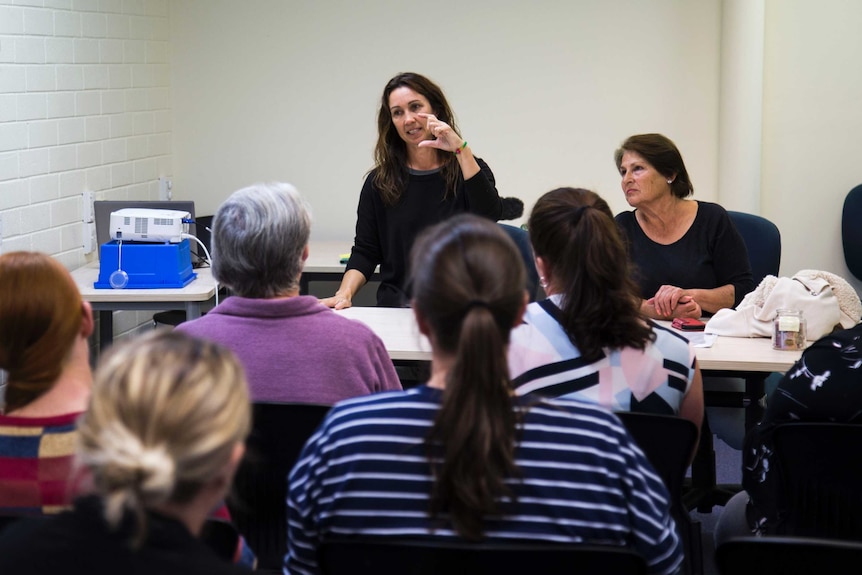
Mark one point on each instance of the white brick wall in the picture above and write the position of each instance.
(84, 105)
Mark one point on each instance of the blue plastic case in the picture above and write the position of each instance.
(147, 265)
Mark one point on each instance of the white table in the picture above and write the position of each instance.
(189, 298)
(749, 358)
(324, 256)
(397, 328)
(323, 263)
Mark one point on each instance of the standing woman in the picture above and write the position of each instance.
(588, 340)
(690, 258)
(462, 458)
(424, 173)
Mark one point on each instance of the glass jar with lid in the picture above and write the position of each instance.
(789, 330)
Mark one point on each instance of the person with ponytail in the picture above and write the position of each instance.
(462, 458)
(159, 443)
(588, 339)
(45, 358)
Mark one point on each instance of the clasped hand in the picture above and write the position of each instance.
(670, 301)
(447, 139)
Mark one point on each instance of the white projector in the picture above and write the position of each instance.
(149, 225)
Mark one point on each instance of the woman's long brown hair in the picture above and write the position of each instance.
(468, 280)
(390, 153)
(574, 232)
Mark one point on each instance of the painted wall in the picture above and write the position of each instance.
(812, 118)
(107, 95)
(84, 106)
(544, 91)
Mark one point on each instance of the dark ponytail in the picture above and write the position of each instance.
(574, 232)
(467, 285)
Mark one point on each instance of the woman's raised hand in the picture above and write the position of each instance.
(446, 138)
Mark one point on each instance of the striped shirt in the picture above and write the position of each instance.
(583, 479)
(544, 361)
(36, 455)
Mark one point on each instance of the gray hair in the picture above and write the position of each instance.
(258, 236)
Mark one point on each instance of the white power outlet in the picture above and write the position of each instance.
(165, 188)
(88, 232)
(88, 208)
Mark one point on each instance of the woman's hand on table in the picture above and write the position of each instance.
(338, 301)
(668, 298)
(686, 306)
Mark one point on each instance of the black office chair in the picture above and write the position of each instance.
(222, 537)
(399, 557)
(668, 442)
(851, 231)
(257, 501)
(763, 244)
(522, 240)
(7, 521)
(820, 473)
(776, 555)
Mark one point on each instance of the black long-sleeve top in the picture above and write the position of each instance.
(711, 254)
(385, 234)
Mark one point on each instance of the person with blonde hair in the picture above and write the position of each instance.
(44, 326)
(462, 458)
(160, 441)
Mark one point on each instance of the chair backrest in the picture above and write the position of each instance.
(222, 537)
(851, 231)
(820, 467)
(763, 242)
(10, 520)
(257, 502)
(668, 442)
(522, 240)
(391, 557)
(202, 231)
(776, 555)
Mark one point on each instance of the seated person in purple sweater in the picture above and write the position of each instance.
(292, 347)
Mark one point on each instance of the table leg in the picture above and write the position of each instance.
(193, 310)
(705, 492)
(106, 329)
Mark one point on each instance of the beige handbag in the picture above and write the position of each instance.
(826, 300)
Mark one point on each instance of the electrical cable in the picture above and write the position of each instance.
(208, 259)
